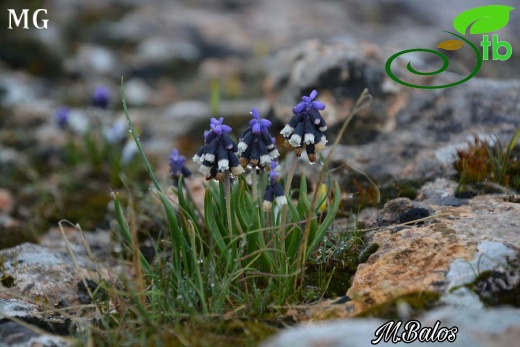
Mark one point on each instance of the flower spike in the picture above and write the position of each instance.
(273, 191)
(306, 127)
(218, 154)
(177, 167)
(256, 145)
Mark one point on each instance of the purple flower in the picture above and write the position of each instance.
(218, 154)
(273, 191)
(101, 97)
(308, 103)
(256, 145)
(306, 127)
(177, 167)
(62, 117)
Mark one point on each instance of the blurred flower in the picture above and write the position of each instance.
(129, 151)
(177, 167)
(101, 97)
(273, 191)
(218, 154)
(62, 117)
(306, 127)
(256, 145)
(117, 132)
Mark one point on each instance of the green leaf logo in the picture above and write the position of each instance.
(483, 19)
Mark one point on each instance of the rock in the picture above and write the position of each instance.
(159, 50)
(47, 274)
(471, 246)
(402, 210)
(137, 92)
(351, 333)
(440, 193)
(17, 89)
(430, 125)
(14, 334)
(498, 327)
(93, 58)
(490, 256)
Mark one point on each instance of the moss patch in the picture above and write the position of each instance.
(498, 287)
(417, 301)
(334, 277)
(193, 332)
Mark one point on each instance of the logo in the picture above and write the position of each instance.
(480, 21)
(413, 331)
(25, 13)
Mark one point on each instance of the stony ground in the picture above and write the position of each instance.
(460, 264)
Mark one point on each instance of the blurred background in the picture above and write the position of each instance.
(262, 53)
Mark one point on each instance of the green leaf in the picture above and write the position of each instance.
(175, 231)
(483, 19)
(303, 201)
(126, 234)
(331, 215)
(211, 223)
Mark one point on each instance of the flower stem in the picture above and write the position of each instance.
(254, 184)
(227, 189)
(363, 101)
(290, 175)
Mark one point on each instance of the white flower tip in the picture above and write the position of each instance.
(274, 154)
(196, 158)
(287, 130)
(209, 157)
(308, 138)
(281, 200)
(242, 146)
(223, 165)
(323, 128)
(205, 170)
(265, 159)
(295, 140)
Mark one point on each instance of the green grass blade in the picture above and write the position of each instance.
(126, 234)
(137, 141)
(331, 214)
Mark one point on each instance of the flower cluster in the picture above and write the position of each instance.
(218, 154)
(256, 145)
(273, 191)
(177, 167)
(306, 127)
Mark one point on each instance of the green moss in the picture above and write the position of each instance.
(364, 194)
(496, 288)
(192, 332)
(334, 277)
(15, 235)
(87, 209)
(417, 301)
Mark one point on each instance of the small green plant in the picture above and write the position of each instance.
(482, 163)
(248, 249)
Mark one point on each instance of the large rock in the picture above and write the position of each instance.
(47, 274)
(406, 133)
(499, 327)
(14, 334)
(466, 252)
